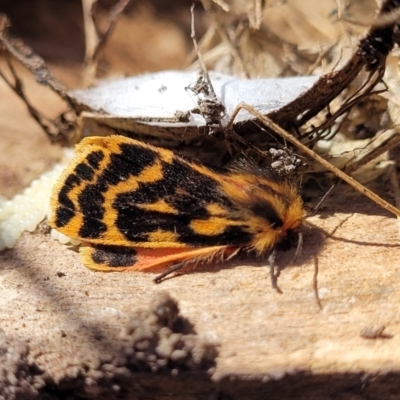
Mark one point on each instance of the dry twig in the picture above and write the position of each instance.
(94, 38)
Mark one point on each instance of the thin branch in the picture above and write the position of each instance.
(199, 56)
(17, 87)
(225, 37)
(33, 62)
(96, 40)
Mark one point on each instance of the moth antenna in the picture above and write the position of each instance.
(323, 198)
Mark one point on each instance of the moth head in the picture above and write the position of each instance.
(275, 215)
(268, 233)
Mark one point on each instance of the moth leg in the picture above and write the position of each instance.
(274, 277)
(202, 256)
(299, 247)
(159, 278)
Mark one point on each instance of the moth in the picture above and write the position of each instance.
(137, 207)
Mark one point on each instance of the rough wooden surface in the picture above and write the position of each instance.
(68, 313)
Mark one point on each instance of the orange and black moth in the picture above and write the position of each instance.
(137, 207)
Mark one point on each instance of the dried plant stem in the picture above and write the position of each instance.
(18, 89)
(199, 55)
(91, 42)
(394, 180)
(96, 40)
(225, 37)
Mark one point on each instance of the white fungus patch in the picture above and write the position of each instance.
(25, 211)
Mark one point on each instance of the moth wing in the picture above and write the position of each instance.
(121, 259)
(118, 191)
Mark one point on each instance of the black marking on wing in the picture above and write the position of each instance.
(187, 191)
(63, 216)
(137, 224)
(114, 256)
(84, 171)
(183, 188)
(232, 235)
(94, 159)
(66, 211)
(132, 160)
